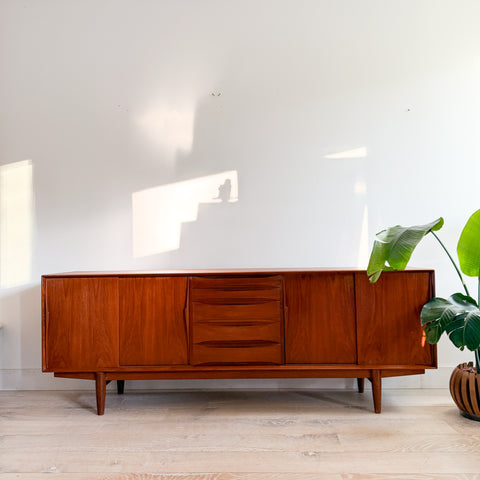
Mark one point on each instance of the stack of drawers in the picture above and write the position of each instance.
(236, 320)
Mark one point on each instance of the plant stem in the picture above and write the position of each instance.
(478, 291)
(477, 351)
(454, 264)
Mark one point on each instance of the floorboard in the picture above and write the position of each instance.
(236, 435)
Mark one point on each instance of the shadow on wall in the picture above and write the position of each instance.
(20, 310)
(159, 212)
(19, 338)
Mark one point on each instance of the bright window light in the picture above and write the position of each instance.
(360, 152)
(169, 128)
(16, 223)
(363, 246)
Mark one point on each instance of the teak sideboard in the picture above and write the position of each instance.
(249, 323)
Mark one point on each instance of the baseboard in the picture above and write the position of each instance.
(35, 379)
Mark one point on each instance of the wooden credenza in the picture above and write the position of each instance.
(250, 323)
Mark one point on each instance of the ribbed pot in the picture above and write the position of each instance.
(465, 390)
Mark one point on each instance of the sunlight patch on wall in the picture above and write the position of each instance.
(158, 213)
(360, 152)
(171, 129)
(16, 223)
(360, 188)
(363, 246)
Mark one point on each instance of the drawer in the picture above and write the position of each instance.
(242, 331)
(237, 283)
(205, 312)
(231, 290)
(236, 320)
(230, 296)
(238, 353)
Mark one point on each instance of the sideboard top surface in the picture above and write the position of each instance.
(218, 271)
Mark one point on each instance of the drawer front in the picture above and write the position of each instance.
(237, 283)
(234, 295)
(245, 331)
(237, 353)
(260, 312)
(236, 320)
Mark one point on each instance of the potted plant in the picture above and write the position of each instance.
(459, 315)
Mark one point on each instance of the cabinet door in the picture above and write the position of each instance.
(320, 325)
(152, 324)
(81, 324)
(388, 319)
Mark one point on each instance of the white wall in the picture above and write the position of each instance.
(110, 99)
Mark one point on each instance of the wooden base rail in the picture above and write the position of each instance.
(250, 323)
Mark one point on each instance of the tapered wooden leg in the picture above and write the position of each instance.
(360, 384)
(101, 389)
(376, 379)
(120, 386)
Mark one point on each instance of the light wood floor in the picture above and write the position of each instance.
(236, 435)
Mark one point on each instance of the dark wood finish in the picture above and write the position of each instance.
(100, 390)
(387, 331)
(152, 325)
(360, 385)
(376, 379)
(235, 324)
(120, 386)
(320, 323)
(81, 324)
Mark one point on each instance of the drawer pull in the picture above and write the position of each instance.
(238, 323)
(237, 343)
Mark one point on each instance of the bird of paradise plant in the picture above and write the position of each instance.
(459, 315)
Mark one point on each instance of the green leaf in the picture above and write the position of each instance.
(463, 301)
(456, 334)
(468, 248)
(394, 247)
(472, 330)
(459, 317)
(433, 333)
(440, 311)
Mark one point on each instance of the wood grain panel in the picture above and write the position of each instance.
(152, 324)
(320, 321)
(81, 324)
(241, 331)
(388, 319)
(237, 353)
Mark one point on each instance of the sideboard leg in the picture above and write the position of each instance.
(360, 384)
(120, 386)
(376, 379)
(101, 389)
